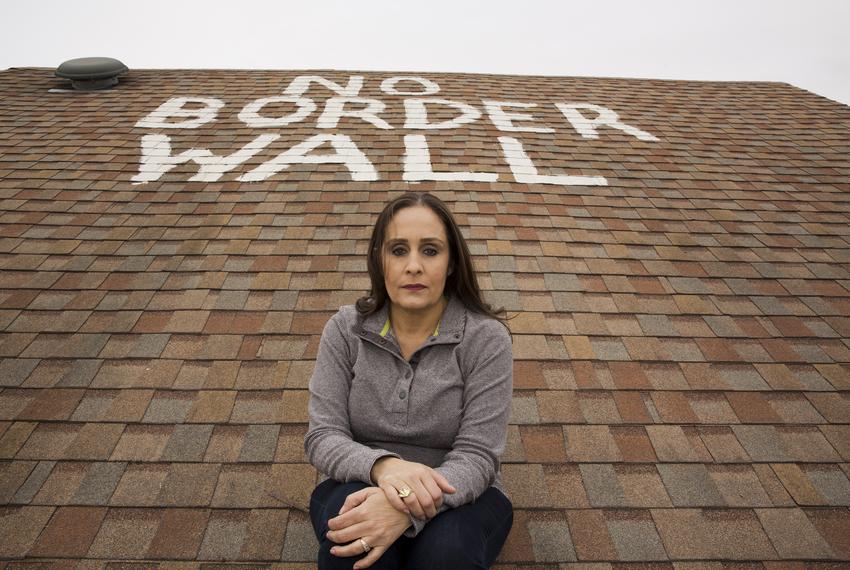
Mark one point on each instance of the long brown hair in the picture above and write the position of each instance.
(462, 281)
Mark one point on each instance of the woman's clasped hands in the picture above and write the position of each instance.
(368, 515)
(378, 515)
(426, 486)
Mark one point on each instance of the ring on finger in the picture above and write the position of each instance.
(405, 492)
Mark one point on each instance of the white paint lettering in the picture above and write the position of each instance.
(504, 120)
(174, 107)
(417, 165)
(388, 86)
(587, 127)
(157, 159)
(250, 115)
(525, 172)
(345, 152)
(335, 108)
(417, 114)
(423, 112)
(301, 84)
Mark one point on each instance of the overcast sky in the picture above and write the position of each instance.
(804, 43)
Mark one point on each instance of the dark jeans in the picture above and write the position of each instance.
(469, 536)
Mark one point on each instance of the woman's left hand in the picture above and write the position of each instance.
(366, 514)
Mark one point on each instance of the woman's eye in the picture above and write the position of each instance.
(402, 250)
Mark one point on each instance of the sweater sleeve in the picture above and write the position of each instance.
(328, 443)
(474, 459)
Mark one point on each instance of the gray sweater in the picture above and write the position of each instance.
(447, 407)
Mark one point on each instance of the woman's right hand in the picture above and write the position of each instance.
(427, 486)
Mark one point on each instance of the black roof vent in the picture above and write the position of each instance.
(91, 73)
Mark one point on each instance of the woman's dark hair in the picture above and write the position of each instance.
(462, 280)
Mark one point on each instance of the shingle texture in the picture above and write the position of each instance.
(675, 255)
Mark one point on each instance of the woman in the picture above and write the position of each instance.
(409, 406)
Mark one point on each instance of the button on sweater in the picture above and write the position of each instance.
(447, 407)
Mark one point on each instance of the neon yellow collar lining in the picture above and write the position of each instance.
(387, 328)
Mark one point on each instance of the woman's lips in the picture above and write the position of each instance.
(413, 288)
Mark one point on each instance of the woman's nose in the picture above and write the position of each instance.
(413, 262)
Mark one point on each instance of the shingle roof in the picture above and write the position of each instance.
(682, 363)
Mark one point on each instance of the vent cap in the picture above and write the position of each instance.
(91, 73)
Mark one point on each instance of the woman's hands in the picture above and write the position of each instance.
(378, 515)
(427, 486)
(368, 515)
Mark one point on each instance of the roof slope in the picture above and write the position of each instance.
(676, 253)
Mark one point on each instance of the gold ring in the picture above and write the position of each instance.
(404, 492)
(366, 547)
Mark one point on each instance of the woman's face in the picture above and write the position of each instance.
(416, 250)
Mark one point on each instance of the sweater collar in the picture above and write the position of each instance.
(452, 321)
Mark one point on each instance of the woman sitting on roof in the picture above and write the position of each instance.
(409, 406)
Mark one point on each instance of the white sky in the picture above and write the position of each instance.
(804, 43)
